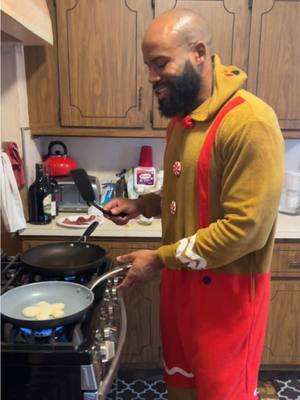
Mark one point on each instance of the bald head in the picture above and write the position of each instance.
(180, 26)
(177, 50)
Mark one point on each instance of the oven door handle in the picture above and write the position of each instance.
(110, 274)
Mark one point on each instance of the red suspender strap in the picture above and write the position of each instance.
(204, 163)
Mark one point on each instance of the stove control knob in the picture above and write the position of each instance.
(106, 294)
(110, 333)
(110, 308)
(117, 280)
(103, 314)
(98, 336)
(96, 353)
(114, 293)
(109, 283)
(107, 350)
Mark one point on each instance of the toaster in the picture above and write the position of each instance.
(69, 196)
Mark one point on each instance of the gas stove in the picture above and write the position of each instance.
(77, 361)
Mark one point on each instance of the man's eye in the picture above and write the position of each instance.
(161, 63)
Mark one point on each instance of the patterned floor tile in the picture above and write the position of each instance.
(140, 389)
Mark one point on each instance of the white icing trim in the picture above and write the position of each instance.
(191, 259)
(178, 370)
(180, 249)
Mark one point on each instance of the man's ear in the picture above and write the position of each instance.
(200, 52)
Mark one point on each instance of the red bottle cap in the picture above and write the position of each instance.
(146, 156)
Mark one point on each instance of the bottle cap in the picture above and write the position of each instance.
(146, 156)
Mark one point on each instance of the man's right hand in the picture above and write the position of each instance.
(132, 208)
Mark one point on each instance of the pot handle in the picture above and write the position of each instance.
(110, 274)
(57, 142)
(87, 233)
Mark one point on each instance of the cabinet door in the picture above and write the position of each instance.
(282, 343)
(103, 81)
(274, 58)
(230, 25)
(286, 259)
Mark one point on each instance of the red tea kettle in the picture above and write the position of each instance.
(59, 164)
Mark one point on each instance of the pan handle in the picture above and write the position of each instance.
(87, 233)
(114, 272)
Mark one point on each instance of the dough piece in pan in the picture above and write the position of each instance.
(58, 313)
(31, 311)
(44, 310)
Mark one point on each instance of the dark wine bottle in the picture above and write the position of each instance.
(39, 198)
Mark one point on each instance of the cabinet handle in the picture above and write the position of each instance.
(140, 98)
(250, 4)
(294, 264)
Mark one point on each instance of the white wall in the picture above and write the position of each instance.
(292, 154)
(14, 106)
(14, 109)
(104, 157)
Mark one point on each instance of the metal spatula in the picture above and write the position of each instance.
(84, 186)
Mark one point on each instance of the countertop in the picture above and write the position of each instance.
(105, 229)
(288, 227)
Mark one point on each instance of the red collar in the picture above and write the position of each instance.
(185, 122)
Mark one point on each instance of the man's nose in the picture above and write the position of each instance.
(153, 76)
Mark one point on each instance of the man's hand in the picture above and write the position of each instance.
(145, 266)
(132, 208)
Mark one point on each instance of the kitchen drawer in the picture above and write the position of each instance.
(286, 258)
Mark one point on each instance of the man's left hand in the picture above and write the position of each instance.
(145, 266)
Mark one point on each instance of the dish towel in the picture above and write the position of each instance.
(11, 204)
(11, 149)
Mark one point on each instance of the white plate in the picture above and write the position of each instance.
(74, 218)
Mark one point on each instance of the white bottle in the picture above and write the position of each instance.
(145, 173)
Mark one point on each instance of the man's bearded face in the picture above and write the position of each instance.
(177, 96)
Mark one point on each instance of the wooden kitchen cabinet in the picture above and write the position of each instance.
(282, 343)
(274, 58)
(101, 69)
(93, 81)
(142, 347)
(258, 36)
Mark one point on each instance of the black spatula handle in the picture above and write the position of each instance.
(84, 186)
(106, 212)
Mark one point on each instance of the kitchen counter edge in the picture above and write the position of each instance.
(288, 227)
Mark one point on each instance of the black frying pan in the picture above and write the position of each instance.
(65, 258)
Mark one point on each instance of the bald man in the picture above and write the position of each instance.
(223, 172)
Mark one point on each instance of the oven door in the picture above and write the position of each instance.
(40, 376)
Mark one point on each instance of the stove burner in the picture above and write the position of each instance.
(41, 333)
(82, 279)
(31, 336)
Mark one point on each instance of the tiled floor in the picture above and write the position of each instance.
(288, 389)
(140, 389)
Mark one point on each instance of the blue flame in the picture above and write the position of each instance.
(42, 332)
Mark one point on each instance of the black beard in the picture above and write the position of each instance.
(183, 91)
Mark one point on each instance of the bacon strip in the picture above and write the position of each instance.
(79, 220)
